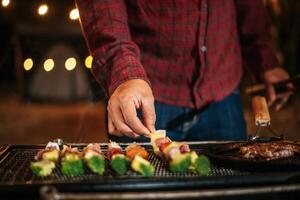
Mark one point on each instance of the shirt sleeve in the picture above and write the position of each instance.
(116, 58)
(254, 28)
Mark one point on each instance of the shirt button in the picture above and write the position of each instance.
(203, 48)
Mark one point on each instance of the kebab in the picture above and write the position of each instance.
(118, 161)
(45, 160)
(71, 161)
(94, 158)
(170, 151)
(178, 154)
(139, 157)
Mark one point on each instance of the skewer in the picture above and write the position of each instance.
(178, 155)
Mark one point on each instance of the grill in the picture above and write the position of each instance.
(16, 176)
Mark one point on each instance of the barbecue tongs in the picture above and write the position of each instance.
(262, 121)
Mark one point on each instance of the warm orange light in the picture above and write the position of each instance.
(43, 9)
(74, 14)
(48, 65)
(88, 62)
(28, 64)
(5, 3)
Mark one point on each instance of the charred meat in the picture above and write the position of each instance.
(269, 150)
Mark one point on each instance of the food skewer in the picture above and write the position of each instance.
(94, 158)
(139, 157)
(71, 161)
(118, 161)
(45, 160)
(178, 154)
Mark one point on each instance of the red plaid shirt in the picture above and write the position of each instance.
(188, 50)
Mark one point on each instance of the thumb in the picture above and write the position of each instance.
(149, 116)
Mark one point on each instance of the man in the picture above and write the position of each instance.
(178, 62)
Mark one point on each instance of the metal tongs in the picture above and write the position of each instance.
(262, 121)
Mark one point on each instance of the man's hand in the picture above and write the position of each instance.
(273, 76)
(122, 109)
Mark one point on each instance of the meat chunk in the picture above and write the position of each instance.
(269, 150)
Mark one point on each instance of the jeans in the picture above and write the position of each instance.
(221, 120)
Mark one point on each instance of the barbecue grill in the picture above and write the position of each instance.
(16, 178)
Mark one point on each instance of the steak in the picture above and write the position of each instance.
(269, 150)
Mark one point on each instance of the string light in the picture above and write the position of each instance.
(70, 64)
(74, 14)
(5, 3)
(43, 9)
(28, 64)
(48, 65)
(88, 62)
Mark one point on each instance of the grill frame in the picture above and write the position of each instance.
(137, 183)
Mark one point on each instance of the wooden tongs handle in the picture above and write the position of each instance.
(261, 111)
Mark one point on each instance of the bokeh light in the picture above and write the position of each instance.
(48, 65)
(5, 3)
(88, 62)
(70, 64)
(28, 64)
(43, 9)
(74, 14)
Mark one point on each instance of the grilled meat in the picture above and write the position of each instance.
(269, 150)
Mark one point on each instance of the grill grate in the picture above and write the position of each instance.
(14, 169)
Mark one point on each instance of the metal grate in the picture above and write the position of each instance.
(14, 169)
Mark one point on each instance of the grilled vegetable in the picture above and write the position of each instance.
(42, 168)
(118, 161)
(156, 140)
(179, 155)
(134, 149)
(200, 164)
(142, 166)
(71, 162)
(46, 159)
(51, 152)
(180, 163)
(52, 155)
(94, 158)
(139, 157)
(120, 164)
(96, 164)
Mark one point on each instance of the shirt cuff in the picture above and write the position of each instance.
(118, 71)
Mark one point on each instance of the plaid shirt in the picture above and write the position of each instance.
(190, 51)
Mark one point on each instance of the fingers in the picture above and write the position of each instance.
(128, 108)
(271, 94)
(111, 127)
(282, 99)
(149, 115)
(271, 77)
(120, 127)
(278, 100)
(123, 105)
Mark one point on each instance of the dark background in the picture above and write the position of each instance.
(27, 118)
